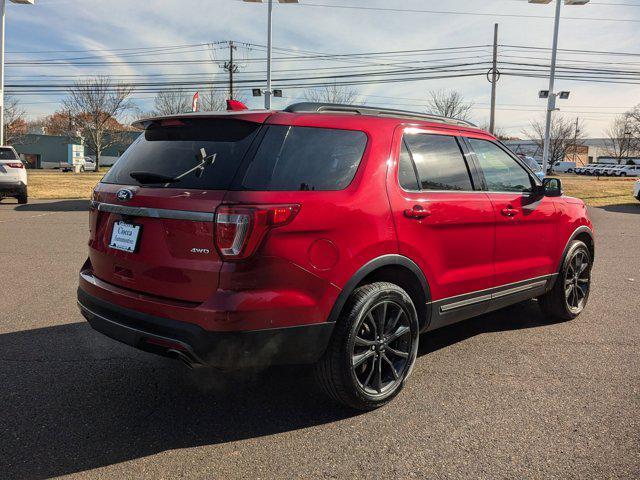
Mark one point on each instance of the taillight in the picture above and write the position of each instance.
(14, 165)
(239, 230)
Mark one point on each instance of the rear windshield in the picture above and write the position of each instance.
(305, 158)
(7, 154)
(171, 148)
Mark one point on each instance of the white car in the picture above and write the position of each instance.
(628, 171)
(13, 175)
(636, 190)
(564, 167)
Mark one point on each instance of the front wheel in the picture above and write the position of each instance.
(568, 297)
(373, 347)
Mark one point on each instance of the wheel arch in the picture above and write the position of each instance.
(584, 234)
(396, 269)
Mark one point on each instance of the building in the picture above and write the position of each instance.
(49, 151)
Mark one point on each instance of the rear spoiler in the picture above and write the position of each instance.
(255, 116)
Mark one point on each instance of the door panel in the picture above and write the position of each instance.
(526, 223)
(525, 238)
(448, 233)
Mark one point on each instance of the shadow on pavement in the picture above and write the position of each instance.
(624, 208)
(73, 400)
(55, 206)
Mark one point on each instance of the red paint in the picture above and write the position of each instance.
(293, 274)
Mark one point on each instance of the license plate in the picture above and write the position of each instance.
(125, 236)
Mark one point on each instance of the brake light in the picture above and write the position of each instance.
(15, 165)
(239, 230)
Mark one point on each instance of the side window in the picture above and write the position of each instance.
(501, 172)
(305, 158)
(407, 172)
(439, 162)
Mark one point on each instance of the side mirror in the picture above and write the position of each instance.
(552, 187)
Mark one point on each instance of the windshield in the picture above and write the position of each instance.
(171, 147)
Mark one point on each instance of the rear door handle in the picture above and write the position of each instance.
(417, 212)
(509, 211)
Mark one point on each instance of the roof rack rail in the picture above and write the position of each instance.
(374, 111)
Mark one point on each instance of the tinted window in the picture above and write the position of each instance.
(7, 154)
(501, 172)
(303, 158)
(407, 171)
(439, 162)
(170, 149)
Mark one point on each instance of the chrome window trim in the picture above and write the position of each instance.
(153, 212)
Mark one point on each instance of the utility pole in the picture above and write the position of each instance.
(575, 142)
(494, 80)
(231, 68)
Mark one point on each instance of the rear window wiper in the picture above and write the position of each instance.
(149, 177)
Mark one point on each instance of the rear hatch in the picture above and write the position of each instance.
(152, 216)
(11, 168)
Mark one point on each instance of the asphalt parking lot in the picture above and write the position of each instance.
(500, 396)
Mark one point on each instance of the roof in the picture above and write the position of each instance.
(309, 107)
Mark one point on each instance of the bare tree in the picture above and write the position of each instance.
(212, 100)
(95, 106)
(566, 136)
(449, 103)
(622, 138)
(332, 94)
(15, 126)
(171, 102)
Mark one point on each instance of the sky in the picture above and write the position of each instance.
(107, 36)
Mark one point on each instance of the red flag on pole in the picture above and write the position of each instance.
(194, 103)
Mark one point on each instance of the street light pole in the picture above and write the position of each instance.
(4, 8)
(267, 94)
(551, 101)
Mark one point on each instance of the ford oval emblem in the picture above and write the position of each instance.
(124, 195)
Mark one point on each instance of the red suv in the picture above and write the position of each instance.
(323, 234)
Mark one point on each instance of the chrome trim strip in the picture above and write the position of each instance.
(465, 303)
(491, 294)
(154, 212)
(523, 288)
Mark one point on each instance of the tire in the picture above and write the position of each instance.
(23, 197)
(570, 294)
(382, 365)
(623, 174)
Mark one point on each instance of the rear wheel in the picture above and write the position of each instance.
(571, 291)
(22, 198)
(373, 347)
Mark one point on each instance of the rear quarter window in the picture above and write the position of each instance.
(304, 159)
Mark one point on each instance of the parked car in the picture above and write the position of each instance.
(597, 170)
(13, 175)
(89, 165)
(564, 167)
(636, 190)
(326, 235)
(611, 170)
(628, 171)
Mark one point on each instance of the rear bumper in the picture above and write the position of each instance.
(195, 346)
(12, 188)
